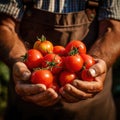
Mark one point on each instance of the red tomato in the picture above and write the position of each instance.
(75, 46)
(66, 77)
(42, 77)
(86, 76)
(55, 86)
(53, 62)
(60, 50)
(88, 60)
(33, 58)
(73, 63)
(43, 45)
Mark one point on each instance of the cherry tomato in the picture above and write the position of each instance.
(73, 63)
(43, 45)
(86, 76)
(60, 50)
(55, 84)
(75, 46)
(42, 77)
(66, 77)
(33, 58)
(53, 62)
(88, 60)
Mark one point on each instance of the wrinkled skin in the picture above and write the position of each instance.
(36, 93)
(80, 90)
(74, 92)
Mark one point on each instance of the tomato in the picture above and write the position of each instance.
(66, 77)
(43, 45)
(55, 84)
(75, 46)
(53, 62)
(73, 63)
(88, 60)
(86, 76)
(60, 50)
(33, 58)
(42, 77)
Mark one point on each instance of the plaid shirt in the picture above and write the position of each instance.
(108, 8)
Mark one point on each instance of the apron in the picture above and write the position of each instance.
(61, 29)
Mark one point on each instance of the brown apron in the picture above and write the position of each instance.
(60, 29)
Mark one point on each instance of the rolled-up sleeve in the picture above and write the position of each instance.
(109, 9)
(13, 8)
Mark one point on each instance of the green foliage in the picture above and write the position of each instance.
(4, 79)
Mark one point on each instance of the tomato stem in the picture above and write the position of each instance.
(42, 39)
(73, 51)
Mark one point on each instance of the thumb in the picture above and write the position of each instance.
(21, 71)
(98, 68)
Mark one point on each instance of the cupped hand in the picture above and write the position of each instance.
(81, 90)
(35, 93)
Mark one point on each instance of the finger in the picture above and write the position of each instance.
(98, 68)
(71, 92)
(52, 98)
(21, 71)
(67, 97)
(46, 98)
(89, 87)
(29, 89)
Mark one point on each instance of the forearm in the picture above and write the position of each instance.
(11, 47)
(107, 47)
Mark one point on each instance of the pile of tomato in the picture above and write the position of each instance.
(55, 65)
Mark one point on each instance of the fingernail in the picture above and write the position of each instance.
(92, 72)
(68, 88)
(74, 83)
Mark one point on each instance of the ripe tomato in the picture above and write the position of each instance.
(43, 45)
(86, 76)
(66, 77)
(60, 50)
(75, 46)
(88, 60)
(42, 77)
(53, 62)
(33, 58)
(55, 84)
(73, 63)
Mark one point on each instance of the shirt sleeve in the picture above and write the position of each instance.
(109, 9)
(13, 8)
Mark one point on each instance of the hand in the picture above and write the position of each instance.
(80, 90)
(35, 93)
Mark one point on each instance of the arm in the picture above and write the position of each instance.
(107, 47)
(11, 46)
(106, 50)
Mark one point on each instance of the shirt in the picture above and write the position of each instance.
(107, 8)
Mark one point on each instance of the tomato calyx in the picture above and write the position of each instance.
(73, 51)
(42, 39)
(24, 57)
(52, 64)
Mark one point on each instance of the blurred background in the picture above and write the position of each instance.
(5, 75)
(4, 79)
